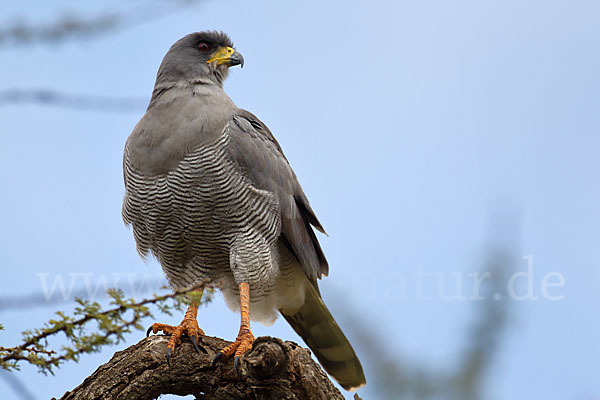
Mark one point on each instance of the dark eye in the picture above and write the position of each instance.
(203, 46)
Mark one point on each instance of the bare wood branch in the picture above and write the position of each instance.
(273, 369)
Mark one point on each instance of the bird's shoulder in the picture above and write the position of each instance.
(255, 150)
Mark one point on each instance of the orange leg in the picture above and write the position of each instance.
(245, 338)
(189, 326)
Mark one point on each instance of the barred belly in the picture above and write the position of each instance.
(203, 219)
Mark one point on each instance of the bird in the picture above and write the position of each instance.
(210, 193)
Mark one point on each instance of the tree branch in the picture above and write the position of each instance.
(112, 325)
(273, 369)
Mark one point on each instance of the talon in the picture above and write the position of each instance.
(194, 339)
(202, 345)
(236, 365)
(216, 359)
(169, 353)
(188, 327)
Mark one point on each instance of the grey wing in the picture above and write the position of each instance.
(255, 151)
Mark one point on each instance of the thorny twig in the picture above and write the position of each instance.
(112, 325)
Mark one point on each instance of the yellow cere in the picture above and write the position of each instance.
(222, 55)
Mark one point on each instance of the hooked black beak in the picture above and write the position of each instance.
(236, 59)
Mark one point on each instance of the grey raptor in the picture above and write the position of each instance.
(210, 193)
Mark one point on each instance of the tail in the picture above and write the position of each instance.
(314, 323)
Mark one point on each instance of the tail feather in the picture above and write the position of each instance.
(315, 324)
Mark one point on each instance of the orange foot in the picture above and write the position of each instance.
(189, 326)
(242, 344)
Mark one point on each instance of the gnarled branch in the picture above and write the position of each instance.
(273, 369)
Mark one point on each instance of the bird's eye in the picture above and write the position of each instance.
(203, 46)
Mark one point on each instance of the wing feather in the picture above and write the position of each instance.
(258, 155)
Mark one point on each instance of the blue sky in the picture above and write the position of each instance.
(411, 126)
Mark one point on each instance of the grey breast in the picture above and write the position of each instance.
(199, 215)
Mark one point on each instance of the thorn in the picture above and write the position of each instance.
(216, 359)
(236, 365)
(149, 330)
(169, 353)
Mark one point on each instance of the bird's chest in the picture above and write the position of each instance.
(197, 210)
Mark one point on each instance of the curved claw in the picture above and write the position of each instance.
(236, 365)
(148, 331)
(216, 359)
(194, 339)
(169, 354)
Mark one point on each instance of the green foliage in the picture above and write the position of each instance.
(89, 328)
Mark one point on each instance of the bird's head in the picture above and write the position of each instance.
(201, 56)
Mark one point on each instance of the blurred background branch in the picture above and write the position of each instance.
(74, 26)
(37, 299)
(74, 101)
(20, 389)
(396, 378)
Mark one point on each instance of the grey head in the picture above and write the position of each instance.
(188, 105)
(200, 57)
